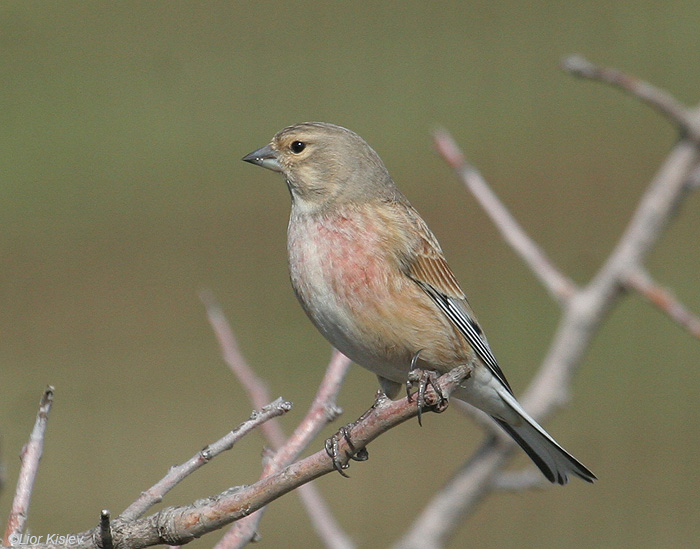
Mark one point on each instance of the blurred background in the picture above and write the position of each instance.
(123, 195)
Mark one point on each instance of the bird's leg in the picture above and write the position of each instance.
(409, 381)
(333, 443)
(424, 378)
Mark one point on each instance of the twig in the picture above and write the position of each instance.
(253, 384)
(558, 285)
(176, 474)
(106, 530)
(641, 281)
(323, 410)
(30, 457)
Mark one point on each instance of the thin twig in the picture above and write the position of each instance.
(106, 530)
(254, 385)
(30, 456)
(177, 473)
(558, 285)
(661, 297)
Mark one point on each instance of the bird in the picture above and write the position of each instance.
(373, 279)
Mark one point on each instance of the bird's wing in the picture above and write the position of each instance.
(429, 269)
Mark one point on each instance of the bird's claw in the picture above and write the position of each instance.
(423, 378)
(333, 449)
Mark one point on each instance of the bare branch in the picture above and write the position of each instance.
(693, 182)
(323, 520)
(180, 525)
(657, 98)
(253, 384)
(641, 281)
(517, 481)
(558, 285)
(323, 410)
(458, 497)
(30, 456)
(176, 474)
(584, 312)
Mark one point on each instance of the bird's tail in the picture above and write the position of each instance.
(554, 462)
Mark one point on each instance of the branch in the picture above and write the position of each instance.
(30, 457)
(180, 525)
(155, 493)
(231, 353)
(584, 313)
(518, 481)
(641, 281)
(657, 98)
(558, 285)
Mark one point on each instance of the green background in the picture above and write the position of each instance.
(122, 126)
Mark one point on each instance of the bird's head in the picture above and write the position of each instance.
(325, 164)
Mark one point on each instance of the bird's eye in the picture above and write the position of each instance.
(297, 146)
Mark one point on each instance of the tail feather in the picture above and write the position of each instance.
(555, 463)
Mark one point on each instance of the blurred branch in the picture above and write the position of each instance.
(694, 178)
(558, 285)
(253, 384)
(30, 457)
(657, 98)
(641, 281)
(584, 309)
(323, 410)
(527, 479)
(180, 525)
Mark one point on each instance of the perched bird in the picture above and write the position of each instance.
(373, 279)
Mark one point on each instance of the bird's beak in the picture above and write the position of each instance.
(265, 157)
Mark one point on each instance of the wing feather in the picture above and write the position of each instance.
(429, 269)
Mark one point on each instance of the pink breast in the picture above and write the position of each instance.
(355, 261)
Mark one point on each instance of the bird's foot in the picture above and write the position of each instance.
(423, 378)
(333, 448)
